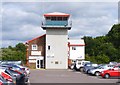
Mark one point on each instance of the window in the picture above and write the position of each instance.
(79, 63)
(73, 48)
(118, 66)
(56, 62)
(48, 18)
(83, 63)
(34, 47)
(48, 47)
(59, 18)
(65, 18)
(53, 18)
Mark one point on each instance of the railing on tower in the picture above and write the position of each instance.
(60, 24)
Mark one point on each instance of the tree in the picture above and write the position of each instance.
(102, 59)
(89, 48)
(90, 58)
(14, 53)
(20, 47)
(0, 54)
(114, 35)
(107, 46)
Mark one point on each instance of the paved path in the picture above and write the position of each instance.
(65, 76)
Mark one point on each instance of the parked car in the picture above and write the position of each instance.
(116, 67)
(3, 81)
(7, 75)
(11, 62)
(97, 70)
(72, 66)
(89, 66)
(111, 73)
(12, 76)
(113, 63)
(25, 69)
(17, 69)
(79, 65)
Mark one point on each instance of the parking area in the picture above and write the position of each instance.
(65, 76)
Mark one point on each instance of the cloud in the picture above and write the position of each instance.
(0, 24)
(22, 21)
(92, 26)
(119, 11)
(26, 32)
(7, 43)
(16, 18)
(60, 1)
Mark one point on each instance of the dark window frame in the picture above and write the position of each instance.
(48, 47)
(74, 48)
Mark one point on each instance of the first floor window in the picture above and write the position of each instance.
(34, 47)
(73, 48)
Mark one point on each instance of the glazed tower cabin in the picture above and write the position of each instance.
(56, 25)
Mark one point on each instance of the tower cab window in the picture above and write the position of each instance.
(59, 18)
(48, 18)
(65, 18)
(53, 18)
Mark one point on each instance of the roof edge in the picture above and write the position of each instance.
(35, 38)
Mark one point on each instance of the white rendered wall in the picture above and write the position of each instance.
(57, 56)
(79, 53)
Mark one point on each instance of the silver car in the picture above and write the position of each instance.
(97, 70)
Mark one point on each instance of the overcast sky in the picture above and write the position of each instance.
(21, 21)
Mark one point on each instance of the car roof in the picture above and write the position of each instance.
(2, 69)
(11, 65)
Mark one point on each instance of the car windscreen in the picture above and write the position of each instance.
(11, 72)
(98, 67)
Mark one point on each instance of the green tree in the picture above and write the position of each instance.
(14, 53)
(20, 47)
(90, 45)
(90, 58)
(102, 59)
(0, 54)
(114, 35)
(106, 46)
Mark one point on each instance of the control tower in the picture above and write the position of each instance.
(56, 25)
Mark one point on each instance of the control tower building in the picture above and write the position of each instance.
(56, 25)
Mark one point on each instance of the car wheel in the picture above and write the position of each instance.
(72, 67)
(84, 70)
(97, 73)
(107, 76)
(87, 71)
(81, 69)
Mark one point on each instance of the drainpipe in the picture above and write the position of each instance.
(27, 49)
(69, 61)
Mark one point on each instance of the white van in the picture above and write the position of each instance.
(79, 64)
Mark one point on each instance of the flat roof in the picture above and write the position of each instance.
(76, 42)
(56, 14)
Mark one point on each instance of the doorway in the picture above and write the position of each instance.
(39, 63)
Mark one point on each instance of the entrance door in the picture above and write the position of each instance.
(38, 64)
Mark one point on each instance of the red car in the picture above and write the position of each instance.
(115, 72)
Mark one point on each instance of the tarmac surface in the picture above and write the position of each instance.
(65, 76)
